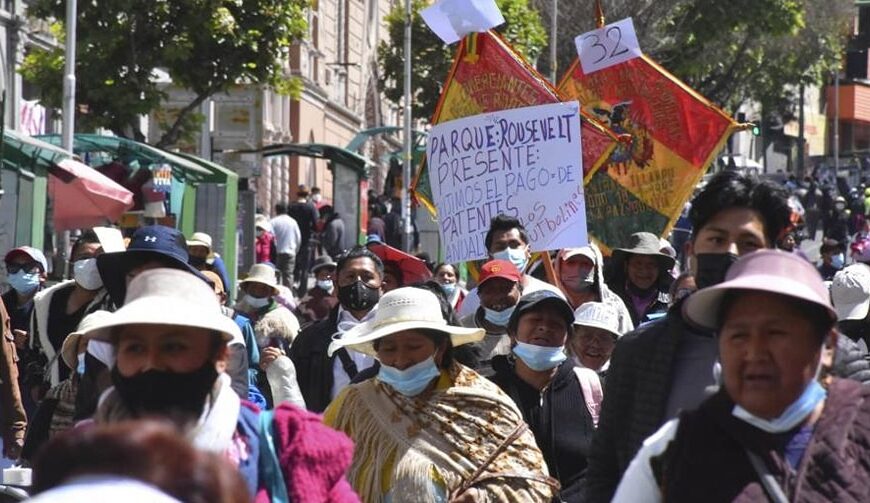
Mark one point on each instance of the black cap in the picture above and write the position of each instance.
(538, 299)
(149, 243)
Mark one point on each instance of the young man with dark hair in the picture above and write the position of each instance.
(358, 277)
(507, 239)
(667, 365)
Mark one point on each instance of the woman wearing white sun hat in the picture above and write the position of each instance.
(428, 428)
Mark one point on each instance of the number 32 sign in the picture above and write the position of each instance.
(607, 46)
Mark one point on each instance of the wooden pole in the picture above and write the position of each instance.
(599, 14)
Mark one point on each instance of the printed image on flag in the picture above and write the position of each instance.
(489, 75)
(675, 133)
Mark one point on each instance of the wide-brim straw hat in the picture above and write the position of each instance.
(643, 243)
(770, 271)
(167, 297)
(200, 239)
(263, 274)
(70, 349)
(407, 308)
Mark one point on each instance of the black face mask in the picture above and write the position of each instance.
(712, 267)
(173, 394)
(196, 261)
(358, 296)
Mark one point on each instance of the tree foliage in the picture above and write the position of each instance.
(206, 46)
(729, 51)
(432, 58)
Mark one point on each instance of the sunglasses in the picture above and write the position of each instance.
(29, 267)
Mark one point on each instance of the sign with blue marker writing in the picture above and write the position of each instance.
(524, 162)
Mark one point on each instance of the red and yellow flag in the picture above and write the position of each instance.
(675, 135)
(489, 75)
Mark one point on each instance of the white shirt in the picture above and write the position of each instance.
(340, 379)
(287, 234)
(472, 300)
(638, 485)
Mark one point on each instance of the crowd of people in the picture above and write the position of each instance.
(719, 365)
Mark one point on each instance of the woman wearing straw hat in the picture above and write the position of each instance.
(275, 327)
(170, 340)
(427, 428)
(773, 431)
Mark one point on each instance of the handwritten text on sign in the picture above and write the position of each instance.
(525, 163)
(613, 44)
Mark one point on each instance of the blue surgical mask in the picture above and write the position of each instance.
(80, 368)
(411, 381)
(448, 289)
(24, 282)
(792, 416)
(257, 302)
(540, 358)
(325, 284)
(516, 256)
(498, 318)
(838, 261)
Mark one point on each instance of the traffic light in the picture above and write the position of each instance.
(756, 130)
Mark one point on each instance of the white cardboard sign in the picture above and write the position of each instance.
(453, 19)
(525, 163)
(613, 44)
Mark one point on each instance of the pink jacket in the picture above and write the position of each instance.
(313, 457)
(262, 248)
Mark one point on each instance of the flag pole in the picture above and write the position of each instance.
(599, 15)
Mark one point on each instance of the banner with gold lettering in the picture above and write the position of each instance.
(675, 135)
(488, 75)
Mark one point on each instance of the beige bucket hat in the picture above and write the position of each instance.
(167, 297)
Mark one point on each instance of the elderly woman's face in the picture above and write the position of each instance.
(406, 348)
(162, 347)
(592, 346)
(769, 353)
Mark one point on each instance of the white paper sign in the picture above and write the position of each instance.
(453, 19)
(613, 44)
(525, 163)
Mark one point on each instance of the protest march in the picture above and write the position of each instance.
(609, 312)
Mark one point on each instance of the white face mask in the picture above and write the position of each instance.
(86, 274)
(325, 284)
(316, 198)
(257, 302)
(516, 256)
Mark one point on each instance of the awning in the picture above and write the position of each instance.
(332, 153)
(131, 152)
(83, 197)
(22, 151)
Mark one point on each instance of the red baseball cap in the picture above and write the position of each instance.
(499, 269)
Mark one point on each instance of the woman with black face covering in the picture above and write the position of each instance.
(170, 340)
(358, 277)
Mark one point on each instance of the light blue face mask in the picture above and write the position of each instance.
(838, 261)
(325, 284)
(516, 256)
(448, 289)
(792, 416)
(498, 318)
(411, 381)
(540, 358)
(80, 368)
(24, 282)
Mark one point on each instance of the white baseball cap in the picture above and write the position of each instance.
(597, 315)
(850, 292)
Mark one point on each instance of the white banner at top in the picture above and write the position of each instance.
(453, 19)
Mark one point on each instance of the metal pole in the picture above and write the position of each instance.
(554, 41)
(69, 77)
(801, 136)
(836, 122)
(406, 171)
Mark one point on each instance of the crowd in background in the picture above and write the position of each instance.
(723, 363)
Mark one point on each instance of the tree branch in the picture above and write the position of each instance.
(170, 137)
